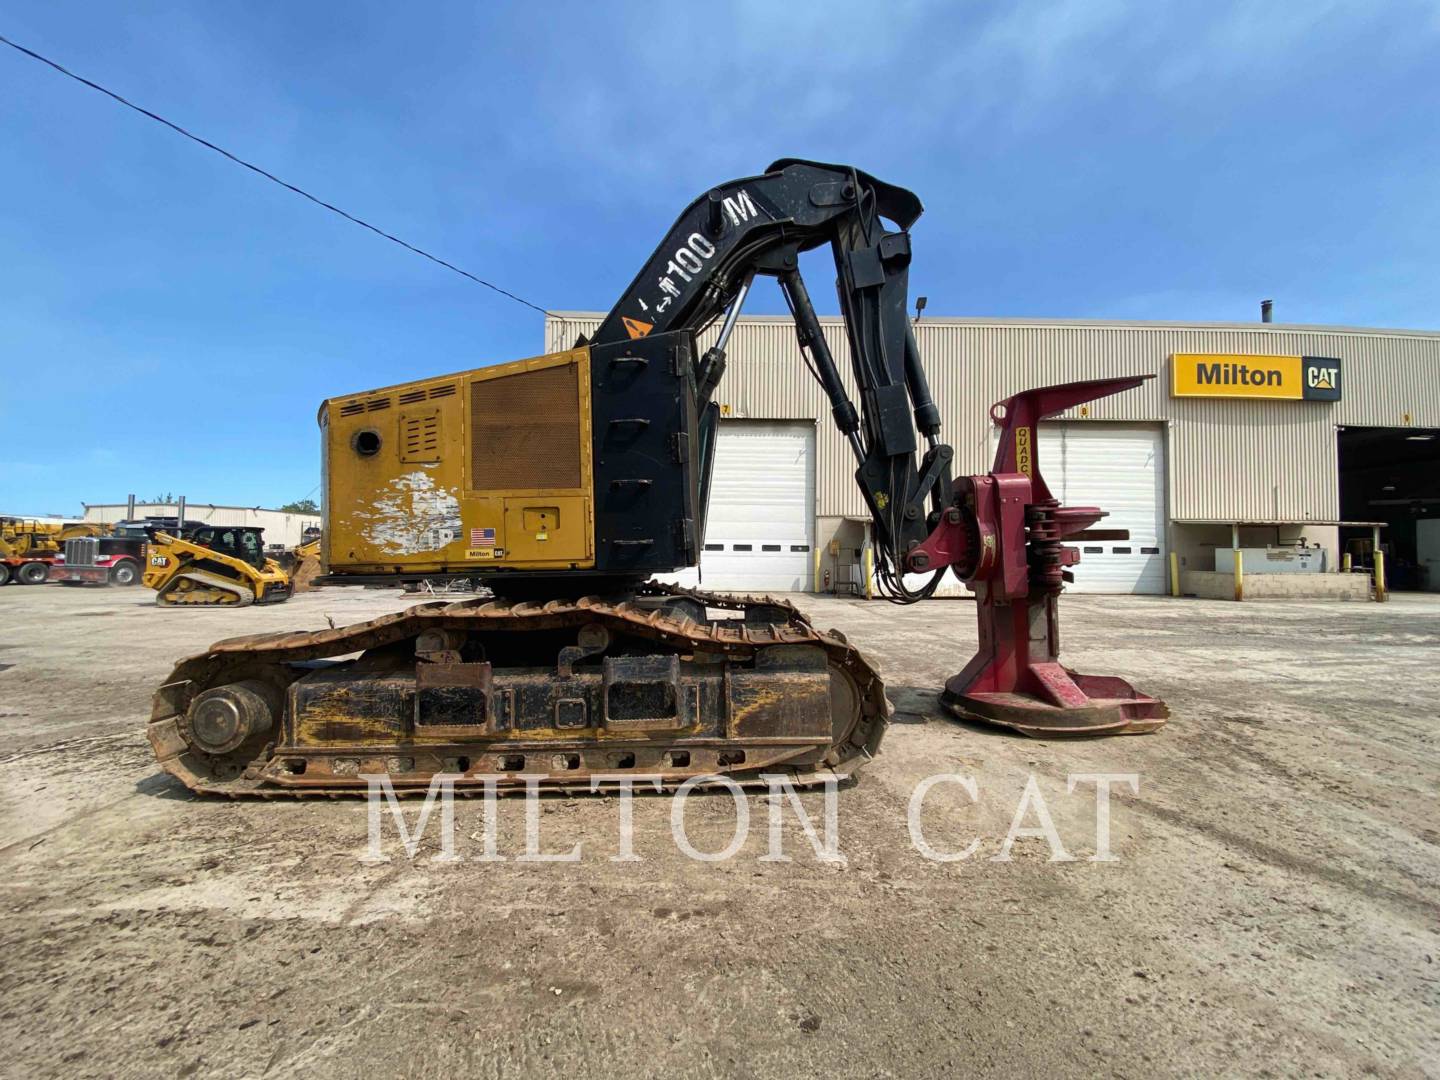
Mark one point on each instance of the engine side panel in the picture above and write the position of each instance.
(485, 470)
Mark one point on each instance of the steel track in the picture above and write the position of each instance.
(271, 656)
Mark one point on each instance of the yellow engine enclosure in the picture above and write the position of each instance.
(487, 469)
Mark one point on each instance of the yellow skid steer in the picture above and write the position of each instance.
(214, 566)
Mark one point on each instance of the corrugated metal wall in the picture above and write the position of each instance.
(1227, 458)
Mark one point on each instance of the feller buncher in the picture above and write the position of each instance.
(568, 480)
(214, 566)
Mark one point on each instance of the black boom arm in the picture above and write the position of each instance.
(760, 225)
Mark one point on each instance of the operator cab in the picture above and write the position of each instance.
(244, 542)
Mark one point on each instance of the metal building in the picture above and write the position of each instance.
(1260, 434)
(281, 527)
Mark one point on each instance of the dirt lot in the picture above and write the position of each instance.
(1273, 908)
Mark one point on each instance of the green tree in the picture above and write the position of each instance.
(301, 506)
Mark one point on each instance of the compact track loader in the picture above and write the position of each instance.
(214, 566)
(566, 482)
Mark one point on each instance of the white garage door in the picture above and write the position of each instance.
(760, 529)
(1119, 468)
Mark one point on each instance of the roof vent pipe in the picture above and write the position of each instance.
(1267, 310)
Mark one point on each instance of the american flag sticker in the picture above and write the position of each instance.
(482, 537)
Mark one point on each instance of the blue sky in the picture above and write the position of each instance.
(170, 322)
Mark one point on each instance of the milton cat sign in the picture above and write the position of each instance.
(1294, 378)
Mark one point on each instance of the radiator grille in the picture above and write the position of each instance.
(81, 551)
(525, 430)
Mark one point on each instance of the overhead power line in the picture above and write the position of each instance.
(269, 175)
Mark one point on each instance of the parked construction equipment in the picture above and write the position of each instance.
(214, 566)
(301, 563)
(568, 480)
(29, 547)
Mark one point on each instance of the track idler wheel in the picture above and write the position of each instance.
(224, 718)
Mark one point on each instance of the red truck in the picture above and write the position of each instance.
(100, 560)
(118, 559)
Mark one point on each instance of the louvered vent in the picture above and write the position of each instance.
(420, 436)
(411, 396)
(448, 390)
(525, 430)
(374, 404)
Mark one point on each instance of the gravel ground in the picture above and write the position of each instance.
(1272, 908)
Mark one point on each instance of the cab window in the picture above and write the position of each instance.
(251, 549)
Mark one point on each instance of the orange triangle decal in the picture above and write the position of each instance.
(635, 328)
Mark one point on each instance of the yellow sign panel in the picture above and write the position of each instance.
(1023, 458)
(480, 553)
(1291, 378)
(1236, 375)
